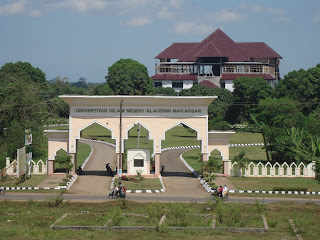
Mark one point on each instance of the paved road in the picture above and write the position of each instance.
(177, 179)
(18, 196)
(94, 180)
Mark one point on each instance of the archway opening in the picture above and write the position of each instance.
(138, 137)
(96, 138)
(62, 162)
(215, 164)
(98, 132)
(179, 139)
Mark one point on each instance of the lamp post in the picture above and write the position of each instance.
(120, 144)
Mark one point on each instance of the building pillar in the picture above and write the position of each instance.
(157, 164)
(74, 162)
(51, 166)
(227, 167)
(205, 157)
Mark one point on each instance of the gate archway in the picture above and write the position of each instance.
(157, 114)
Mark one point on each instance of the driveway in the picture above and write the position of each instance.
(94, 179)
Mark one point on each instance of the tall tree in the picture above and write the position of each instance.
(247, 93)
(303, 86)
(129, 77)
(22, 106)
(218, 108)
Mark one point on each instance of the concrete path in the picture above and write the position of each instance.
(94, 180)
(52, 181)
(177, 179)
(224, 181)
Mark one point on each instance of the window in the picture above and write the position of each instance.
(138, 162)
(158, 84)
(177, 84)
(223, 85)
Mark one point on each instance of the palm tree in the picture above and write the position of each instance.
(241, 161)
(309, 151)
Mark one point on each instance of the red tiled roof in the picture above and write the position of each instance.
(174, 77)
(233, 76)
(176, 50)
(223, 43)
(207, 83)
(210, 50)
(257, 50)
(218, 44)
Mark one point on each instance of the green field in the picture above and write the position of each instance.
(34, 181)
(145, 184)
(83, 151)
(267, 184)
(32, 219)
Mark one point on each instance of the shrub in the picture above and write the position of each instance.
(116, 216)
(55, 201)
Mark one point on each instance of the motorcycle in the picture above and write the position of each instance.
(216, 194)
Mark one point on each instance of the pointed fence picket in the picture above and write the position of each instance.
(276, 170)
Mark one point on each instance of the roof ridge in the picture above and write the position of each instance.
(196, 54)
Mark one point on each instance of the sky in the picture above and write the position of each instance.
(82, 38)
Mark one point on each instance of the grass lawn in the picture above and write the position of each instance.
(83, 151)
(191, 158)
(136, 221)
(84, 219)
(64, 127)
(34, 181)
(180, 136)
(98, 132)
(32, 219)
(145, 184)
(256, 184)
(188, 221)
(254, 153)
(246, 137)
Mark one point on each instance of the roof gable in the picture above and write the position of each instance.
(218, 44)
(222, 42)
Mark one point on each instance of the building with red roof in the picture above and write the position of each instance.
(216, 61)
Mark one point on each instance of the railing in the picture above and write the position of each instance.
(275, 170)
(248, 69)
(175, 69)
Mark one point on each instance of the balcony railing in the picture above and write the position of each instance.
(248, 69)
(176, 69)
(228, 68)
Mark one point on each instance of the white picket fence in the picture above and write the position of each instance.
(275, 170)
(37, 168)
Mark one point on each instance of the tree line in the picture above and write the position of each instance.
(29, 101)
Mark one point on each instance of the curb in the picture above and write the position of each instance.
(143, 191)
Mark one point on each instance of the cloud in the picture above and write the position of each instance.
(176, 3)
(138, 21)
(35, 13)
(83, 5)
(13, 8)
(192, 28)
(164, 13)
(229, 16)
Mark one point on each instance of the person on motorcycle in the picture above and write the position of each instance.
(225, 190)
(220, 191)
